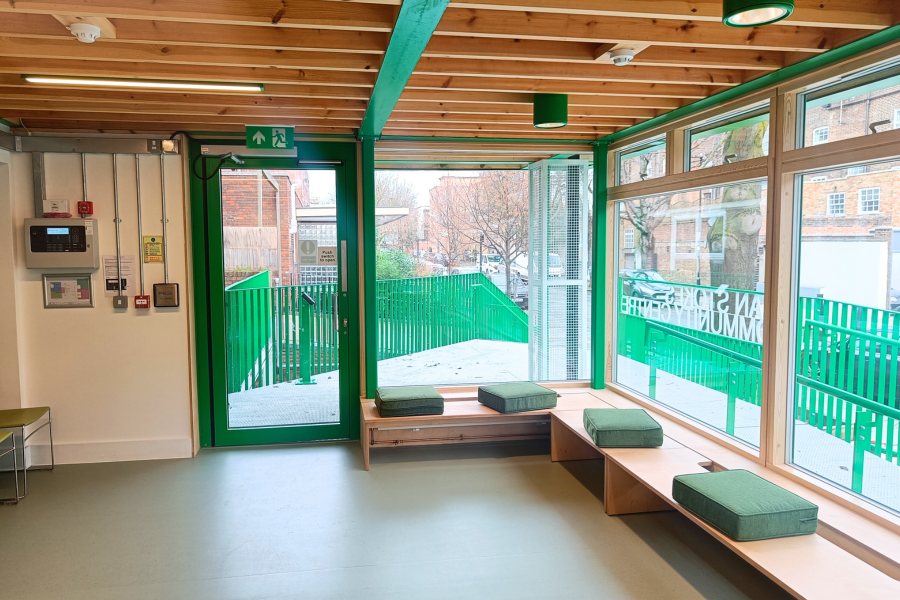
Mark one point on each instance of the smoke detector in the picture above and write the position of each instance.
(621, 57)
(84, 32)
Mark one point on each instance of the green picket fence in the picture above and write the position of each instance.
(269, 340)
(848, 366)
(423, 313)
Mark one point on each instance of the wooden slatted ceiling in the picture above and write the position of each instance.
(319, 60)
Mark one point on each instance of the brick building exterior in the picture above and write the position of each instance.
(259, 221)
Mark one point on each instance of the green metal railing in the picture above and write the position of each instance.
(274, 335)
(737, 376)
(423, 313)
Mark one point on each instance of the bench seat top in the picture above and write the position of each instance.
(808, 566)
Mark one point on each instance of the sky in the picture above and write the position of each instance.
(322, 183)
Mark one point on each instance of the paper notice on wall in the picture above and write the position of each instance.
(327, 256)
(129, 284)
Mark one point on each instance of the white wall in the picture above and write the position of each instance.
(119, 382)
(855, 272)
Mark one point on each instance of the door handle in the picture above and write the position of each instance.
(334, 312)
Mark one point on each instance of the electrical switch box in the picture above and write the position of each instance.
(61, 243)
(165, 295)
(120, 301)
(142, 301)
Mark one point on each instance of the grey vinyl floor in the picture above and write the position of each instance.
(495, 521)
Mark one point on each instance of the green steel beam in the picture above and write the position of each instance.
(598, 269)
(370, 300)
(412, 31)
(885, 36)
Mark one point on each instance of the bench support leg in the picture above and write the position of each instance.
(364, 442)
(623, 494)
(566, 445)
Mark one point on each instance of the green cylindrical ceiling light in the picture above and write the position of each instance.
(753, 13)
(551, 111)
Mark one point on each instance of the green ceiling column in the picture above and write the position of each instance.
(415, 24)
(370, 299)
(598, 269)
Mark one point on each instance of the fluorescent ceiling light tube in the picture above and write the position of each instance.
(146, 83)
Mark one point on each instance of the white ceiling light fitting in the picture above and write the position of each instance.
(84, 32)
(621, 57)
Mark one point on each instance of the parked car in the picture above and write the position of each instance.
(895, 299)
(645, 283)
(520, 266)
(518, 291)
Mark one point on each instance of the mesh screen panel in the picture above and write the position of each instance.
(558, 270)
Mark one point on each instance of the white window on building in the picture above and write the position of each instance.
(836, 203)
(856, 170)
(817, 178)
(819, 135)
(629, 237)
(897, 118)
(869, 200)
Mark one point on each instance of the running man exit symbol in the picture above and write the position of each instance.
(274, 138)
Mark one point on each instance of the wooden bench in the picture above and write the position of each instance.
(640, 480)
(465, 420)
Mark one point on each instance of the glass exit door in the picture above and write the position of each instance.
(281, 356)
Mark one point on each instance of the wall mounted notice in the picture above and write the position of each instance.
(307, 252)
(152, 246)
(128, 274)
(327, 256)
(68, 291)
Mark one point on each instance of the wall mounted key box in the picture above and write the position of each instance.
(61, 243)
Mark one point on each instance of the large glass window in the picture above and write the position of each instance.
(690, 303)
(847, 393)
(729, 140)
(482, 276)
(862, 106)
(643, 161)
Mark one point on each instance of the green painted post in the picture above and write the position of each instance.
(732, 384)
(651, 362)
(598, 269)
(369, 284)
(305, 345)
(862, 439)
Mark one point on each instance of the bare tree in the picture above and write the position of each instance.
(497, 204)
(391, 190)
(449, 222)
(646, 214)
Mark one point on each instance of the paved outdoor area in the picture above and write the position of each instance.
(476, 361)
(814, 450)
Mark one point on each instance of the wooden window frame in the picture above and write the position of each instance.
(785, 164)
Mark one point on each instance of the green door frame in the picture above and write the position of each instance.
(209, 290)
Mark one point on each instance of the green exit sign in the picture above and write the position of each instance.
(270, 138)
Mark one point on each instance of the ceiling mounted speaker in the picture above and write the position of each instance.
(85, 32)
(753, 13)
(551, 111)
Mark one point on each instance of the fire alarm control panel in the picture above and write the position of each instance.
(61, 243)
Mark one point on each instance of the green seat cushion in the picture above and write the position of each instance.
(21, 417)
(516, 397)
(409, 401)
(622, 428)
(744, 506)
(4, 435)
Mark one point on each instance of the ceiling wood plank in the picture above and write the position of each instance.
(166, 118)
(496, 127)
(473, 108)
(10, 106)
(212, 35)
(580, 72)
(549, 26)
(12, 88)
(534, 134)
(432, 82)
(157, 127)
(72, 49)
(526, 119)
(107, 29)
(276, 13)
(858, 14)
(451, 96)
